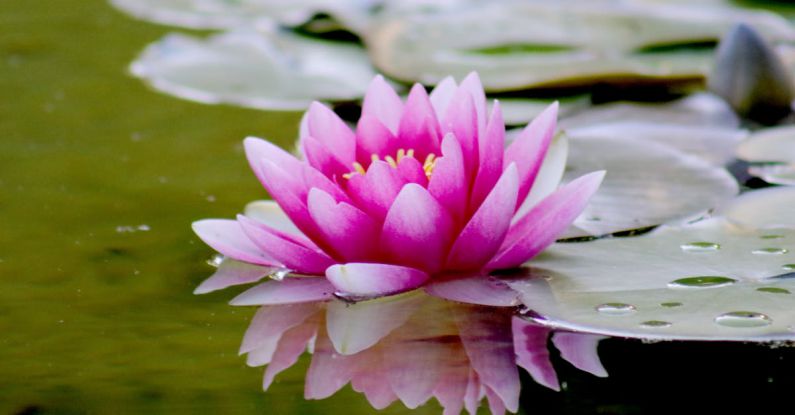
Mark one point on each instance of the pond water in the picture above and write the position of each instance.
(100, 179)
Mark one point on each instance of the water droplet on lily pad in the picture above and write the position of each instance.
(700, 247)
(788, 267)
(671, 304)
(616, 309)
(772, 236)
(743, 319)
(770, 251)
(702, 281)
(774, 290)
(655, 324)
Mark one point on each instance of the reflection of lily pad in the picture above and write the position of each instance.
(647, 184)
(652, 286)
(518, 45)
(267, 69)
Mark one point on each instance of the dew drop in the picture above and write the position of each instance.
(774, 290)
(280, 274)
(771, 236)
(671, 304)
(770, 251)
(788, 267)
(700, 247)
(616, 309)
(215, 260)
(743, 319)
(703, 281)
(655, 324)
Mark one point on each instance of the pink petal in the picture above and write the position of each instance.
(269, 213)
(288, 291)
(329, 129)
(356, 327)
(496, 405)
(263, 354)
(368, 280)
(453, 380)
(476, 289)
(329, 371)
(486, 334)
(419, 128)
(580, 349)
(288, 191)
(322, 159)
(373, 137)
(412, 171)
(370, 379)
(530, 345)
(530, 147)
(442, 94)
(273, 321)
(492, 146)
(545, 222)
(258, 150)
(375, 192)
(413, 362)
(448, 183)
(227, 237)
(472, 85)
(348, 230)
(383, 103)
(232, 272)
(473, 394)
(298, 254)
(481, 237)
(291, 346)
(462, 121)
(417, 230)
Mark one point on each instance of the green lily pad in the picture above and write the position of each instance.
(764, 208)
(267, 69)
(654, 287)
(519, 45)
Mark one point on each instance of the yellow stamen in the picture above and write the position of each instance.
(391, 161)
(402, 153)
(358, 168)
(429, 164)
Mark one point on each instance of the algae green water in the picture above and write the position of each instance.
(97, 315)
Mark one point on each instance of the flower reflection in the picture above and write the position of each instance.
(412, 347)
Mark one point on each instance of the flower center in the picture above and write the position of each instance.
(427, 166)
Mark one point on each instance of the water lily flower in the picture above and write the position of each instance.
(421, 190)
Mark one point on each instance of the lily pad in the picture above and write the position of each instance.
(701, 124)
(763, 208)
(711, 280)
(518, 45)
(225, 14)
(647, 184)
(775, 144)
(266, 69)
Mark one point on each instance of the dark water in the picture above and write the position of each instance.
(100, 179)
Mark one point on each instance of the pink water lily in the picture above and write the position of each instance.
(421, 190)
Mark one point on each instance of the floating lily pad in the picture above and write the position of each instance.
(654, 287)
(226, 14)
(268, 69)
(517, 45)
(520, 111)
(647, 184)
(775, 144)
(701, 124)
(763, 208)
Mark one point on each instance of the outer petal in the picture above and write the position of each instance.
(227, 237)
(375, 192)
(258, 150)
(530, 345)
(549, 175)
(383, 103)
(491, 148)
(232, 272)
(349, 231)
(442, 94)
(295, 253)
(329, 129)
(545, 222)
(529, 149)
(476, 289)
(269, 213)
(472, 85)
(580, 349)
(419, 127)
(448, 183)
(481, 237)
(289, 291)
(417, 230)
(374, 279)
